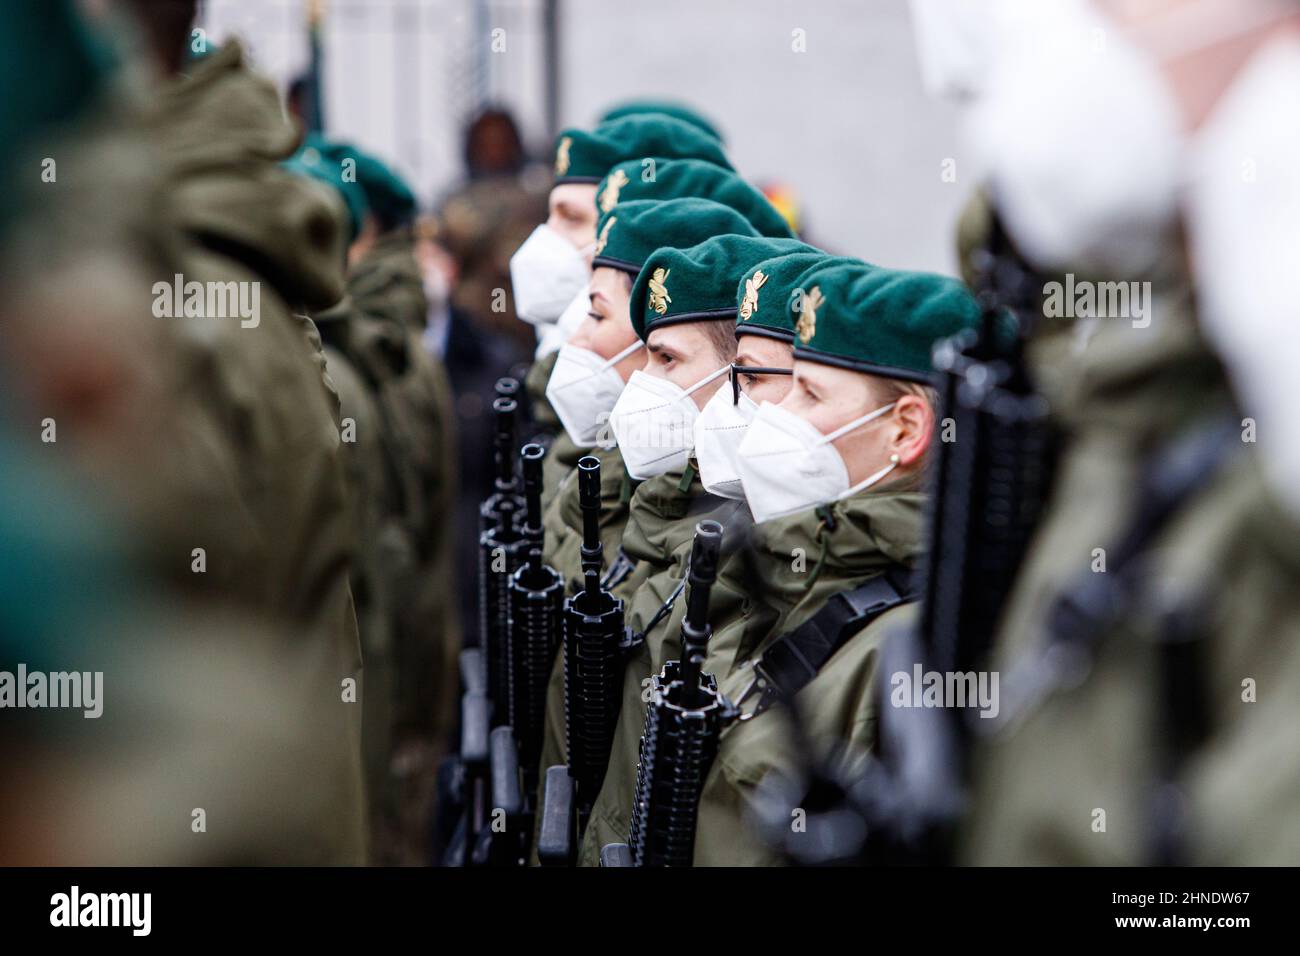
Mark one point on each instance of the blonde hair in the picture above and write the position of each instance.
(889, 390)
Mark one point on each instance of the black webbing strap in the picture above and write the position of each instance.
(618, 570)
(795, 658)
(634, 639)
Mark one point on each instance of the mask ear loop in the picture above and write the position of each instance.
(686, 393)
(856, 423)
(608, 364)
(873, 479)
(706, 380)
(844, 430)
(638, 344)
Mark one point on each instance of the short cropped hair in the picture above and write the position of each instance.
(721, 334)
(889, 390)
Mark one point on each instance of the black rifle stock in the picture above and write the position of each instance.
(593, 665)
(683, 724)
(502, 546)
(536, 601)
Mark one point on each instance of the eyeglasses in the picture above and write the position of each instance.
(738, 370)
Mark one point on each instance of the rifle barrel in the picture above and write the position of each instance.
(703, 572)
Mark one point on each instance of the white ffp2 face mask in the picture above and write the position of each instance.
(654, 422)
(546, 272)
(583, 389)
(551, 335)
(1099, 203)
(1244, 232)
(718, 433)
(787, 465)
(956, 40)
(1104, 201)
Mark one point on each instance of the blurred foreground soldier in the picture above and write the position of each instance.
(683, 306)
(376, 603)
(375, 504)
(376, 336)
(383, 275)
(220, 132)
(386, 285)
(207, 743)
(1143, 655)
(173, 741)
(550, 271)
(246, 217)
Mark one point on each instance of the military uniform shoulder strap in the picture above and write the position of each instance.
(791, 662)
(618, 571)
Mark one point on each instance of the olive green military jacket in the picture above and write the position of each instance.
(560, 461)
(418, 419)
(1068, 776)
(562, 520)
(238, 216)
(773, 577)
(386, 282)
(838, 709)
(364, 459)
(543, 415)
(660, 520)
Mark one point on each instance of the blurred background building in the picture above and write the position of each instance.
(820, 97)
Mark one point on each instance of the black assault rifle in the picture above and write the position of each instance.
(683, 725)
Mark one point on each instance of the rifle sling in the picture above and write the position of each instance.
(794, 659)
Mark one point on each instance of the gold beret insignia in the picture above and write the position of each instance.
(609, 195)
(659, 297)
(604, 234)
(562, 156)
(749, 304)
(809, 303)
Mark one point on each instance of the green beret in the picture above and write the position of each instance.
(386, 193)
(880, 321)
(322, 161)
(679, 111)
(626, 237)
(763, 297)
(585, 156)
(699, 283)
(690, 178)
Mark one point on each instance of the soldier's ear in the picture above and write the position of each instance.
(911, 428)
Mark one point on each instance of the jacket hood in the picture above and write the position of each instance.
(666, 509)
(222, 134)
(841, 542)
(387, 281)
